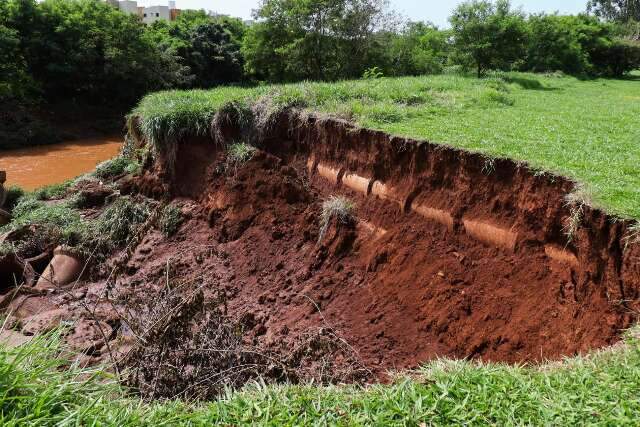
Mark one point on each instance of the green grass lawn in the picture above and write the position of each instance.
(586, 130)
(602, 389)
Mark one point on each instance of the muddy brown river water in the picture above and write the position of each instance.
(35, 167)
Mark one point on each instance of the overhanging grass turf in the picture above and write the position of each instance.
(602, 389)
(586, 130)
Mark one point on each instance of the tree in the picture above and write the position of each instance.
(85, 50)
(209, 47)
(421, 48)
(314, 39)
(555, 44)
(213, 56)
(616, 10)
(15, 83)
(487, 35)
(616, 58)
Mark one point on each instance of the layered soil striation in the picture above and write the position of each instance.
(445, 253)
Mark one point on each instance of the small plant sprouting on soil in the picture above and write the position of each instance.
(237, 155)
(240, 153)
(170, 220)
(335, 206)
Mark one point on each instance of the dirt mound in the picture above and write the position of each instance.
(447, 254)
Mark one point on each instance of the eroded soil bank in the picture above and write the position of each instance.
(449, 255)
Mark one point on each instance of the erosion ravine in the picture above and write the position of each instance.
(450, 254)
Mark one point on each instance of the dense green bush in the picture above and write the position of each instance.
(207, 47)
(616, 58)
(555, 45)
(419, 49)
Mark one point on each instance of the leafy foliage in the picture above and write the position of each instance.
(616, 10)
(86, 50)
(208, 48)
(421, 48)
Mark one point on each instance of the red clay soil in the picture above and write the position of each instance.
(414, 293)
(448, 256)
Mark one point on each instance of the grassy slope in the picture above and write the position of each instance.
(601, 389)
(586, 130)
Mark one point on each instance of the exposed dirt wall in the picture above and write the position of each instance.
(453, 254)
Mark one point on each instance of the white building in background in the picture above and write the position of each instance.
(152, 14)
(148, 14)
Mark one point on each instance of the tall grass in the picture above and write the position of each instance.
(586, 130)
(600, 389)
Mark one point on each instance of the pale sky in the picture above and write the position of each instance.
(436, 11)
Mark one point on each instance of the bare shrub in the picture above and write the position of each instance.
(188, 347)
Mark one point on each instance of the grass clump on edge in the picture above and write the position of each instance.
(121, 221)
(553, 123)
(601, 388)
(170, 220)
(338, 207)
(59, 222)
(53, 191)
(117, 166)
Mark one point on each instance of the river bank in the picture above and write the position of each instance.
(44, 124)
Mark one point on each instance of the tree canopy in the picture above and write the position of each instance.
(616, 10)
(314, 39)
(88, 51)
(488, 35)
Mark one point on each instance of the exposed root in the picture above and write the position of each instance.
(633, 235)
(576, 201)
